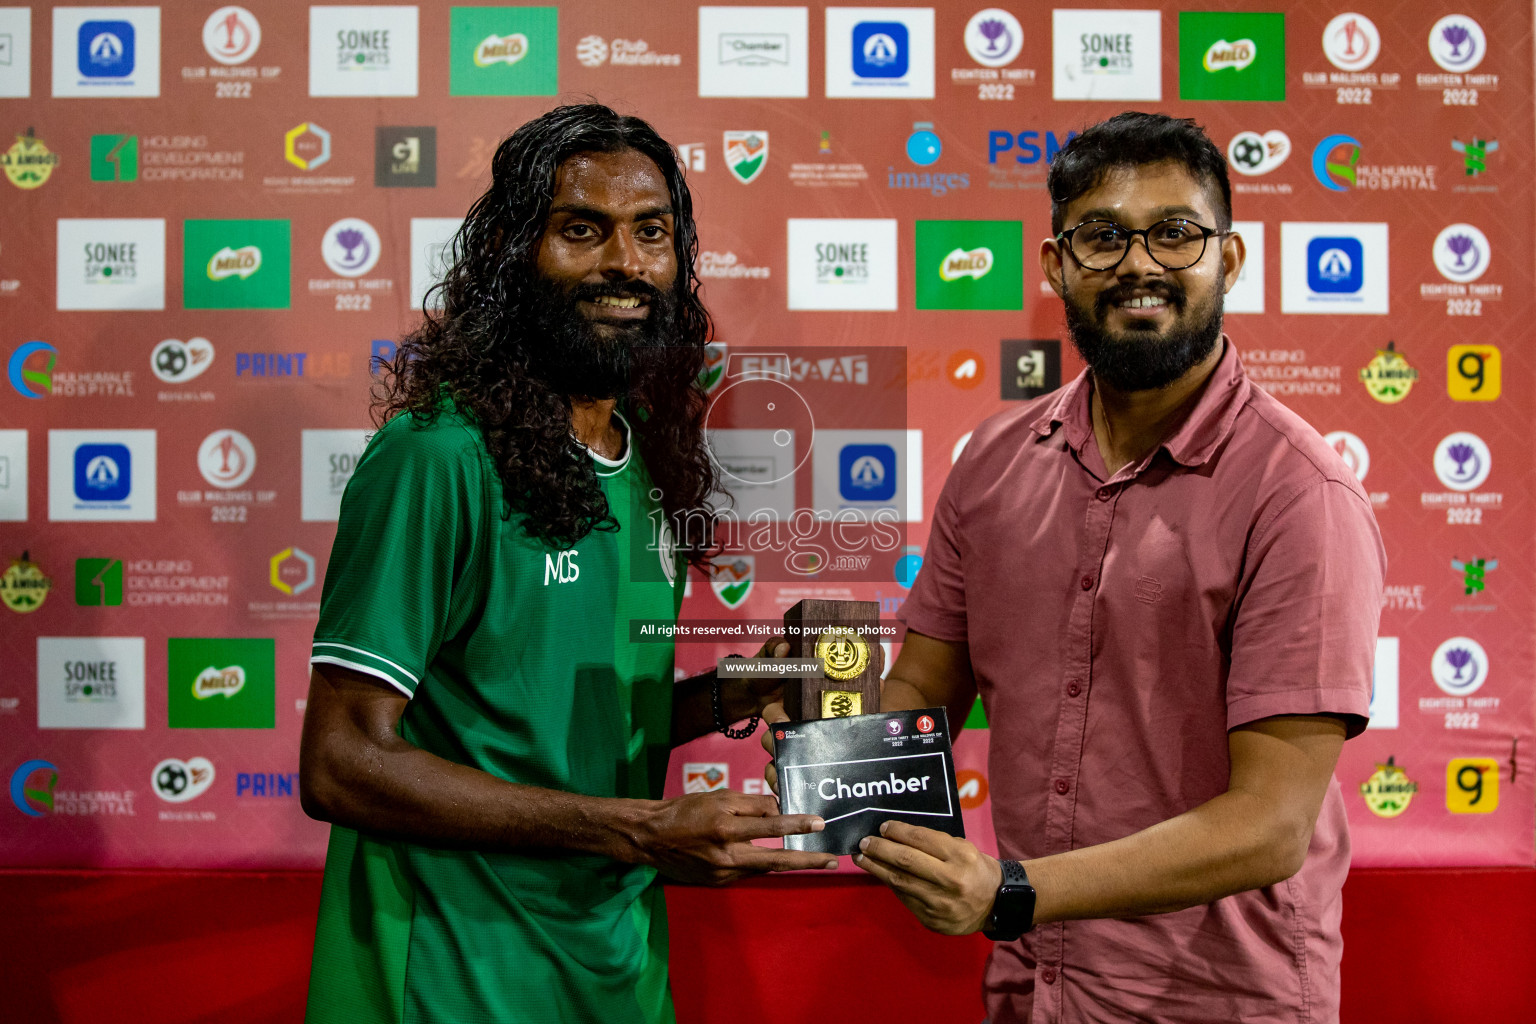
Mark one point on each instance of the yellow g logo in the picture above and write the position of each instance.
(1472, 785)
(1472, 373)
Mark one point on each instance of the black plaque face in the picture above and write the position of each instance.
(861, 771)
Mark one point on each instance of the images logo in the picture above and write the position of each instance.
(177, 781)
(36, 800)
(114, 158)
(1472, 785)
(1474, 373)
(503, 51)
(23, 379)
(307, 146)
(226, 458)
(1231, 56)
(1334, 160)
(28, 163)
(1351, 42)
(1388, 791)
(1459, 666)
(177, 362)
(351, 247)
(1388, 377)
(98, 582)
(1473, 571)
(106, 49)
(235, 264)
(1475, 154)
(923, 145)
(1253, 154)
(993, 37)
(1462, 461)
(1457, 43)
(231, 35)
(745, 154)
(970, 264)
(1462, 253)
(23, 587)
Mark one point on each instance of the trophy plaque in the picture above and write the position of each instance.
(841, 635)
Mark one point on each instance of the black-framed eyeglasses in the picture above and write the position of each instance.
(1175, 244)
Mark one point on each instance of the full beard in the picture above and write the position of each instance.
(1139, 358)
(591, 359)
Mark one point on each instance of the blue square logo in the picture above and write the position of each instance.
(880, 49)
(106, 49)
(866, 472)
(1335, 265)
(103, 472)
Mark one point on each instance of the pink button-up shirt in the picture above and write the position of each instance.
(1119, 626)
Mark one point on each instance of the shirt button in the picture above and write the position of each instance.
(1104, 493)
(1048, 975)
(1087, 582)
(1073, 689)
(1062, 785)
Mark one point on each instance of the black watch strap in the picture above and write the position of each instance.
(1013, 909)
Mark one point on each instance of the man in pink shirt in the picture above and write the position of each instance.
(1165, 588)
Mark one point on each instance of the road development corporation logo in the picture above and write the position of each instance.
(350, 247)
(226, 458)
(1254, 154)
(754, 51)
(235, 264)
(32, 786)
(1106, 55)
(307, 146)
(993, 38)
(1459, 666)
(1351, 42)
(176, 362)
(363, 51)
(746, 153)
(231, 35)
(90, 682)
(503, 51)
(1462, 253)
(23, 587)
(221, 683)
(879, 52)
(106, 51)
(177, 781)
(1389, 790)
(1457, 43)
(1231, 56)
(1462, 461)
(292, 570)
(706, 777)
(101, 475)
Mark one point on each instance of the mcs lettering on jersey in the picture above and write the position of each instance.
(561, 567)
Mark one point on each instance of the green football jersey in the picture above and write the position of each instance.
(518, 661)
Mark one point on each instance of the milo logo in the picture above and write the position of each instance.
(959, 263)
(241, 263)
(215, 682)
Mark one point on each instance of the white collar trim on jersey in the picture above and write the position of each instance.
(623, 460)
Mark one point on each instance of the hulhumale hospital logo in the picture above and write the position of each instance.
(1334, 162)
(36, 381)
(34, 800)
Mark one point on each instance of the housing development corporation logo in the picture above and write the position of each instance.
(503, 51)
(1231, 56)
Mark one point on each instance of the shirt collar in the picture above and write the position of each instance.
(1207, 425)
(609, 467)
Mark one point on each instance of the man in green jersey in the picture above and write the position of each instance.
(483, 734)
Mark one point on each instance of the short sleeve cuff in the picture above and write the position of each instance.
(1349, 704)
(329, 652)
(930, 623)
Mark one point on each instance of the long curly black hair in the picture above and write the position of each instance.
(475, 350)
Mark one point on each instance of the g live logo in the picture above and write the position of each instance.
(561, 567)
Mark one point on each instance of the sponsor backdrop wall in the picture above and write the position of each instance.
(214, 221)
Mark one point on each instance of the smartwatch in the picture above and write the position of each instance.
(1013, 911)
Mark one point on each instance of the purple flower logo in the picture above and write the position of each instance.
(1467, 462)
(351, 247)
(1460, 246)
(1457, 43)
(994, 30)
(893, 727)
(352, 240)
(1462, 461)
(1459, 38)
(1460, 665)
